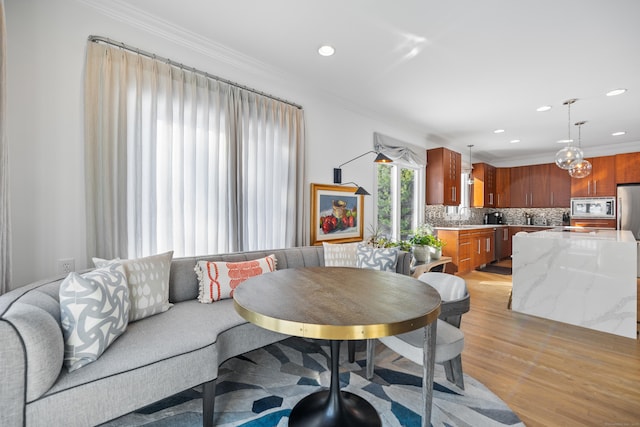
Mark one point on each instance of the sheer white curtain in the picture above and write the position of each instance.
(5, 228)
(178, 161)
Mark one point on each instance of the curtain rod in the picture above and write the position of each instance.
(100, 39)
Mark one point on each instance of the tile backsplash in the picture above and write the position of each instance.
(441, 216)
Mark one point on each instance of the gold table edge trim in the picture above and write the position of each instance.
(335, 332)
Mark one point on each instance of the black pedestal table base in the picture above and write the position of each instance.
(334, 407)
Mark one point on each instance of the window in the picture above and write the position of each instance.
(177, 160)
(399, 201)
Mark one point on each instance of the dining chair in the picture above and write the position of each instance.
(449, 337)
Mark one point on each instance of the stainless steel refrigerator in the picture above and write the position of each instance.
(629, 212)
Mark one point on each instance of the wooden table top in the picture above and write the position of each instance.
(338, 303)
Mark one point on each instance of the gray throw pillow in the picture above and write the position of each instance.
(94, 311)
(384, 259)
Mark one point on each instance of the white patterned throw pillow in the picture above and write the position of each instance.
(384, 259)
(148, 280)
(340, 254)
(94, 311)
(218, 279)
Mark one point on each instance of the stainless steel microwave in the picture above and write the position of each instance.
(593, 207)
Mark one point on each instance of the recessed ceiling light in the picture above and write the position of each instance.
(326, 50)
(564, 141)
(618, 133)
(544, 108)
(514, 141)
(498, 131)
(616, 92)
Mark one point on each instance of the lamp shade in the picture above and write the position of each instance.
(381, 158)
(568, 156)
(362, 192)
(582, 169)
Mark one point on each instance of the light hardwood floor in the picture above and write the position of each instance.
(549, 373)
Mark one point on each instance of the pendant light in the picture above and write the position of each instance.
(470, 179)
(582, 168)
(566, 157)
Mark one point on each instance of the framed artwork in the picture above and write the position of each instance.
(336, 214)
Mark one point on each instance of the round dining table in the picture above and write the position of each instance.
(341, 303)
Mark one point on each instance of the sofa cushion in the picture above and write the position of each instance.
(340, 254)
(148, 280)
(218, 279)
(94, 310)
(384, 259)
(189, 326)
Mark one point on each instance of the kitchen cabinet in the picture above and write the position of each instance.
(484, 186)
(627, 168)
(559, 187)
(468, 249)
(595, 223)
(482, 247)
(519, 187)
(540, 186)
(600, 183)
(458, 247)
(443, 177)
(503, 187)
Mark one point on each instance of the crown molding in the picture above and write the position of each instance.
(134, 17)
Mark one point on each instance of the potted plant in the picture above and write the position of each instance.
(420, 242)
(435, 247)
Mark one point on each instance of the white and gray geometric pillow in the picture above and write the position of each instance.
(94, 310)
(340, 254)
(384, 259)
(148, 280)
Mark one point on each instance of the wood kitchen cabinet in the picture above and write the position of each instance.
(503, 187)
(458, 247)
(595, 223)
(468, 249)
(559, 187)
(600, 183)
(443, 177)
(484, 186)
(627, 168)
(540, 186)
(482, 247)
(519, 178)
(539, 180)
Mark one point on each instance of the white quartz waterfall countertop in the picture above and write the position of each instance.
(581, 276)
(582, 233)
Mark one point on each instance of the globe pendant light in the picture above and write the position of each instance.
(566, 157)
(582, 168)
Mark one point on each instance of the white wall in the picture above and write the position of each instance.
(46, 42)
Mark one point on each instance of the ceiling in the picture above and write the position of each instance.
(453, 70)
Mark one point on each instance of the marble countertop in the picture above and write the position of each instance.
(484, 226)
(584, 233)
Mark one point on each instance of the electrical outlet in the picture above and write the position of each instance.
(66, 266)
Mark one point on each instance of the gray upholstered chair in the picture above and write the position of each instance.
(449, 337)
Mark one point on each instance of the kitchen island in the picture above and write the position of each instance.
(581, 276)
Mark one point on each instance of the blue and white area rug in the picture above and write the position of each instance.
(258, 389)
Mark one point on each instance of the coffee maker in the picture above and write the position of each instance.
(493, 218)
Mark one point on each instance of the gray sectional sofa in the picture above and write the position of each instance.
(155, 358)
